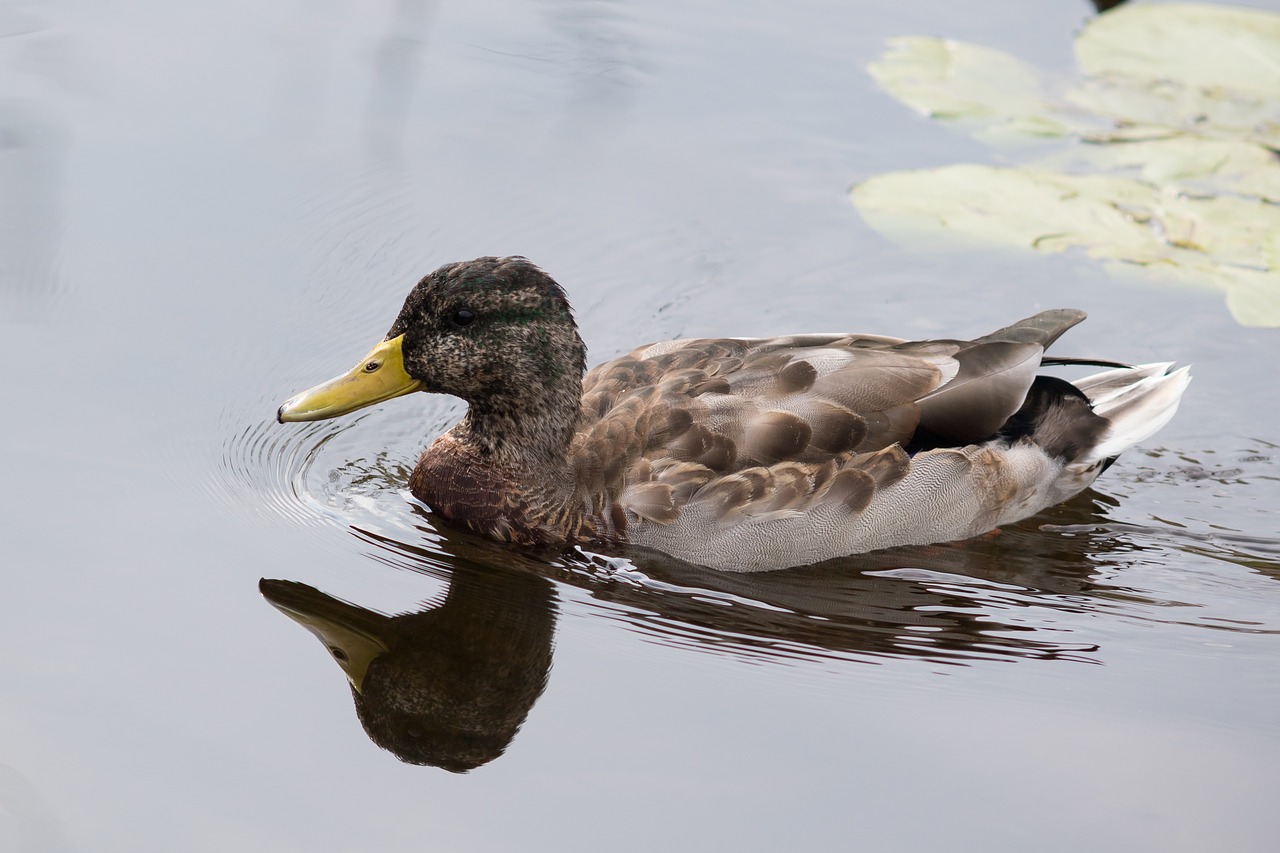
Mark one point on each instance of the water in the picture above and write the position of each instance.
(207, 207)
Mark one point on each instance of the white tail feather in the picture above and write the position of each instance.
(1137, 401)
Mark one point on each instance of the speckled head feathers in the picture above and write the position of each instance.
(489, 328)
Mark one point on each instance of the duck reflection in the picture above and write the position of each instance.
(448, 686)
(947, 604)
(451, 685)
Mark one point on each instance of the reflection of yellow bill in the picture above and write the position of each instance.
(352, 644)
(379, 376)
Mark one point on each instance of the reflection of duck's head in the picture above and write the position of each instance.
(449, 686)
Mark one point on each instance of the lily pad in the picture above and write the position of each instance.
(1146, 108)
(994, 91)
(1196, 45)
(1168, 158)
(1187, 164)
(1148, 71)
(1231, 242)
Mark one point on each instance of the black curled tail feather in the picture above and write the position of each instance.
(1057, 416)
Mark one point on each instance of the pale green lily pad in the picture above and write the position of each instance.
(1193, 165)
(1210, 71)
(946, 79)
(1184, 101)
(1199, 46)
(1144, 107)
(1230, 242)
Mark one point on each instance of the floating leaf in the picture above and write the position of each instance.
(1185, 101)
(953, 80)
(1231, 242)
(1253, 297)
(1200, 46)
(1190, 164)
(1144, 107)
(1208, 70)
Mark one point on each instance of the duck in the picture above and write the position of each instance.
(738, 454)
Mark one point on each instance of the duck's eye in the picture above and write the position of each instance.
(462, 317)
(371, 366)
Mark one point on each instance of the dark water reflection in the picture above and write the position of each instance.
(450, 684)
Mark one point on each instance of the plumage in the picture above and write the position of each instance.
(742, 454)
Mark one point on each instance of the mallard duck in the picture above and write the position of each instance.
(740, 454)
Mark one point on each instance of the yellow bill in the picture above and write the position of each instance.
(379, 376)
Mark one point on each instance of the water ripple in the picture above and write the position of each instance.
(1032, 592)
(336, 473)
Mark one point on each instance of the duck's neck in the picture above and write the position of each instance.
(528, 431)
(504, 474)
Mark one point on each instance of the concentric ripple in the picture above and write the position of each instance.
(342, 473)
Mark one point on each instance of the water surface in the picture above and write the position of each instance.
(206, 207)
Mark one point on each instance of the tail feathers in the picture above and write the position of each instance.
(1043, 328)
(1135, 401)
(1100, 387)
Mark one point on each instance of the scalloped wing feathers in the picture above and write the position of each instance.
(729, 435)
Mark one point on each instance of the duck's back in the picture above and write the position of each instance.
(760, 453)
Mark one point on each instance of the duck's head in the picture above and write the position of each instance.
(497, 332)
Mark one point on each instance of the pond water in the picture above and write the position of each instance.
(205, 207)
